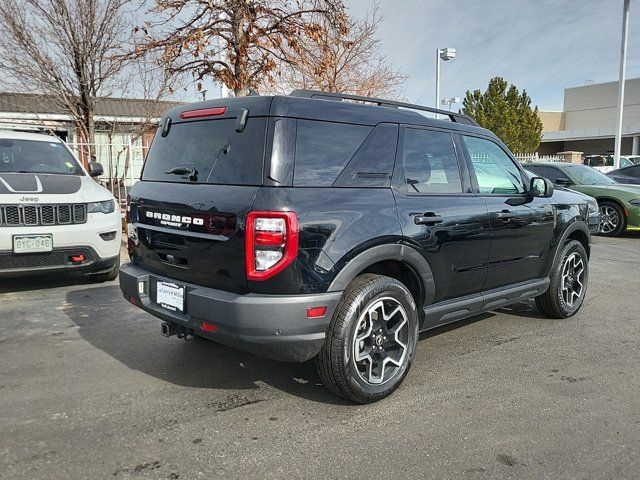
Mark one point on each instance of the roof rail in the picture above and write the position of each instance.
(454, 117)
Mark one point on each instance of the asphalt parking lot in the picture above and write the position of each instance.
(90, 389)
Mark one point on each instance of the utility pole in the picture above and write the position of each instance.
(623, 66)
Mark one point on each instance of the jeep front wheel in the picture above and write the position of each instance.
(371, 341)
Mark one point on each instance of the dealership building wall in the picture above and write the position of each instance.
(587, 122)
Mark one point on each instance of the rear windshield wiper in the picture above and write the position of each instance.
(185, 172)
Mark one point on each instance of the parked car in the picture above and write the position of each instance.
(54, 217)
(635, 159)
(604, 163)
(619, 204)
(331, 227)
(626, 175)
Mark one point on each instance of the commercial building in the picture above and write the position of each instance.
(587, 122)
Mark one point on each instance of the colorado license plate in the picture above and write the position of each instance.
(32, 243)
(170, 296)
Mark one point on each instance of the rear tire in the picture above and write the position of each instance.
(371, 340)
(568, 282)
(612, 219)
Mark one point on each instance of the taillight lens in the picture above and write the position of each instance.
(271, 243)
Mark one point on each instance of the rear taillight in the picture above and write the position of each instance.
(271, 243)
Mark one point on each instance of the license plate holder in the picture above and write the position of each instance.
(170, 296)
(36, 243)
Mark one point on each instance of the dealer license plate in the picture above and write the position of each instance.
(170, 296)
(32, 243)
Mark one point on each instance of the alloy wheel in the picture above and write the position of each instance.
(572, 284)
(609, 219)
(381, 340)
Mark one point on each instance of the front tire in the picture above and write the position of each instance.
(371, 340)
(109, 275)
(568, 282)
(612, 219)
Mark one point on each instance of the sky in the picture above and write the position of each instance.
(543, 46)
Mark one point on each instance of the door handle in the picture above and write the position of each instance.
(505, 215)
(429, 218)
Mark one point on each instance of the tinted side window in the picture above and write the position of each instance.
(550, 173)
(495, 171)
(372, 165)
(430, 163)
(323, 149)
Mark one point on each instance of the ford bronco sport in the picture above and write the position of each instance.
(336, 228)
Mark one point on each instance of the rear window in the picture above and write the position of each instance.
(31, 156)
(323, 149)
(212, 149)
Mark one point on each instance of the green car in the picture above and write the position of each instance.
(619, 203)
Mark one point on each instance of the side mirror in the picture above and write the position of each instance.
(541, 187)
(565, 182)
(95, 169)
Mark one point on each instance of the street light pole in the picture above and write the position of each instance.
(445, 54)
(623, 66)
(437, 102)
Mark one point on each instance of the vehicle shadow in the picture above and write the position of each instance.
(132, 337)
(525, 308)
(434, 332)
(44, 282)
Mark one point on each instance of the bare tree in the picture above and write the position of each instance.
(153, 85)
(238, 43)
(342, 61)
(67, 49)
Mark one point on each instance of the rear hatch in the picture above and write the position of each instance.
(200, 179)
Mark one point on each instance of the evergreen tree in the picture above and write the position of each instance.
(507, 113)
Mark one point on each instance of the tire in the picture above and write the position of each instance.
(612, 219)
(562, 300)
(357, 316)
(110, 275)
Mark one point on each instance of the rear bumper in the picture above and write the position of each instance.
(273, 326)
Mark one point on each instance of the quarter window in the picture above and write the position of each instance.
(495, 171)
(430, 163)
(323, 149)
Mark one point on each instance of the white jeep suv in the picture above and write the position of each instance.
(54, 217)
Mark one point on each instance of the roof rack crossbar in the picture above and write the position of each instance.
(453, 116)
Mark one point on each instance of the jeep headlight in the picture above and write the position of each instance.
(593, 205)
(635, 202)
(108, 206)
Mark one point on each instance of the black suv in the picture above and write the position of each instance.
(336, 228)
